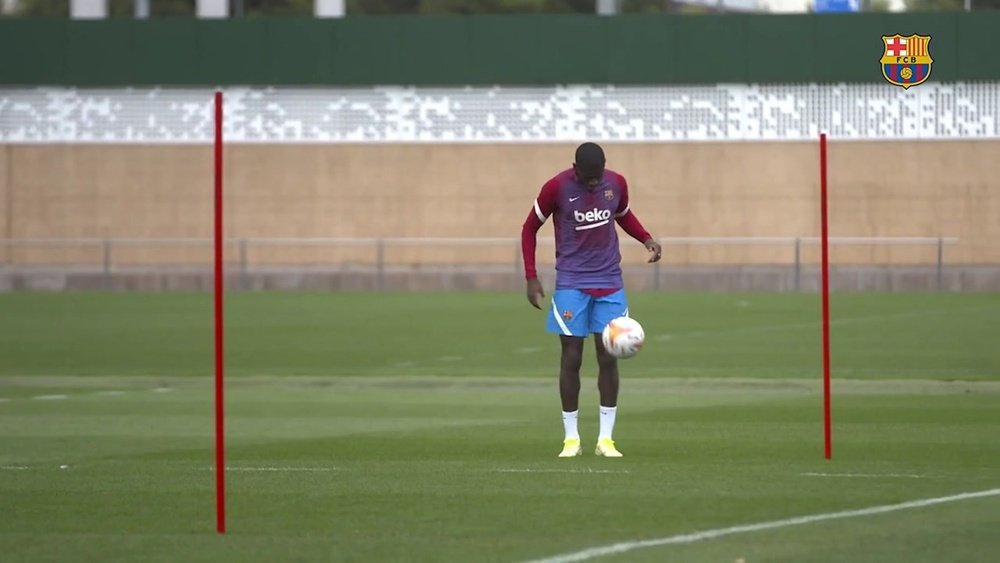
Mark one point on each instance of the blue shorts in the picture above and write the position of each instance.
(574, 313)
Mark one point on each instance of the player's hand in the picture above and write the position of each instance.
(535, 292)
(654, 248)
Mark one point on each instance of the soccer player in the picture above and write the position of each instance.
(585, 202)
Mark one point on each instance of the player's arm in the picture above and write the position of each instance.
(631, 225)
(544, 205)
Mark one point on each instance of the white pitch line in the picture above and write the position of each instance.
(865, 475)
(14, 467)
(50, 397)
(279, 469)
(839, 321)
(588, 470)
(720, 532)
(3, 400)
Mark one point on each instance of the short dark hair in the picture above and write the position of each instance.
(590, 156)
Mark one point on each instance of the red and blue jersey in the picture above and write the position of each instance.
(583, 219)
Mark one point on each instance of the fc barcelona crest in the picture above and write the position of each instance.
(609, 194)
(906, 61)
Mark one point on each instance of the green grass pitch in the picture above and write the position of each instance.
(424, 427)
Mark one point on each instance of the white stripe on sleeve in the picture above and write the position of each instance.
(538, 212)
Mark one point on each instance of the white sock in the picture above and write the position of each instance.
(569, 424)
(607, 422)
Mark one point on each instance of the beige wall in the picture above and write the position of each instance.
(920, 189)
(471, 190)
(5, 173)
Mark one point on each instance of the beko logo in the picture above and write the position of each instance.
(593, 218)
(594, 214)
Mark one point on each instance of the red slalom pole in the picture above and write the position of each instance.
(827, 432)
(220, 462)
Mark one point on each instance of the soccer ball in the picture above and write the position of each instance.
(623, 337)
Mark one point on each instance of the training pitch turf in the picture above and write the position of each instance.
(424, 427)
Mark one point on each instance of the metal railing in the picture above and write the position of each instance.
(798, 242)
(107, 248)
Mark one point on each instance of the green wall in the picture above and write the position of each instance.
(456, 50)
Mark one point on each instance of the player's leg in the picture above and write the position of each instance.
(569, 393)
(607, 375)
(605, 309)
(569, 318)
(569, 372)
(607, 385)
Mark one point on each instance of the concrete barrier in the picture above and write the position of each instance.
(671, 279)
